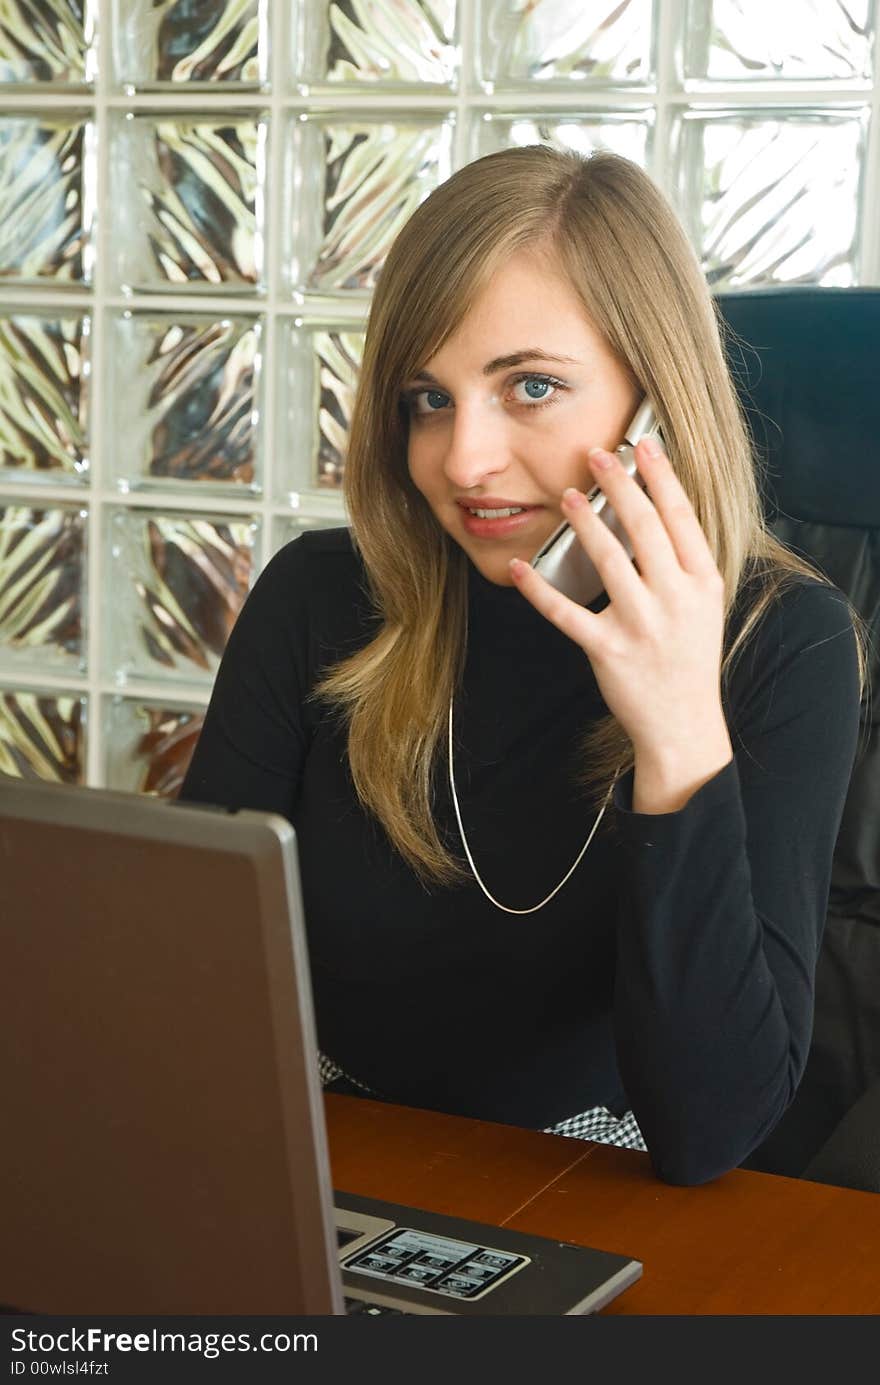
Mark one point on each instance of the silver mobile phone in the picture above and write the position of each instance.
(562, 559)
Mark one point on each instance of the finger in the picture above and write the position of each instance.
(606, 552)
(651, 543)
(675, 509)
(573, 620)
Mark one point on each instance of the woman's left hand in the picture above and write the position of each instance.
(656, 648)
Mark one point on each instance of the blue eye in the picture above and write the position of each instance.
(427, 401)
(538, 389)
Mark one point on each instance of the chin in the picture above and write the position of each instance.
(495, 569)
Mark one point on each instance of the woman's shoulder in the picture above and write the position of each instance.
(313, 548)
(803, 637)
(318, 562)
(793, 608)
(309, 606)
(315, 582)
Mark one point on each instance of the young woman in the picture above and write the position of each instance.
(563, 867)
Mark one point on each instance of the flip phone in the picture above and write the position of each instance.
(562, 559)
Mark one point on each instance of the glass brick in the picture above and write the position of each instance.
(148, 745)
(162, 43)
(749, 40)
(319, 364)
(372, 43)
(185, 402)
(353, 182)
(626, 134)
(560, 42)
(42, 735)
(772, 200)
(48, 41)
(44, 397)
(42, 580)
(188, 201)
(47, 198)
(178, 583)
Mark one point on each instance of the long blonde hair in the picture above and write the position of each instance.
(623, 251)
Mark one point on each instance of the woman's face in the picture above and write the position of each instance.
(503, 416)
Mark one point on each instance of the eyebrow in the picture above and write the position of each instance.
(532, 353)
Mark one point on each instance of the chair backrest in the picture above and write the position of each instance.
(807, 364)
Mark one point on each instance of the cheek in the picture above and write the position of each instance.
(555, 452)
(424, 469)
(413, 465)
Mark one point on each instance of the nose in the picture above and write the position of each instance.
(478, 446)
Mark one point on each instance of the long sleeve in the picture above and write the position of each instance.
(724, 902)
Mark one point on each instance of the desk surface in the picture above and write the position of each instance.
(746, 1243)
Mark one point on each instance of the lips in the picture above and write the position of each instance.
(494, 502)
(500, 526)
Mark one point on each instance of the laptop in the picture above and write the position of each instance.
(164, 1148)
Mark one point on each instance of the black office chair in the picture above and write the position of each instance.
(808, 369)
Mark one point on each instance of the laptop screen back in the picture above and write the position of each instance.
(164, 1145)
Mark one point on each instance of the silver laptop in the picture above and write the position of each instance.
(163, 1147)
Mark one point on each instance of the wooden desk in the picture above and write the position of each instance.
(747, 1243)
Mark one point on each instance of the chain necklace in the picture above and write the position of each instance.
(534, 908)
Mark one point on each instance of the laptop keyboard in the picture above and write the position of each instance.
(374, 1310)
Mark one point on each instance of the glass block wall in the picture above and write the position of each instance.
(195, 204)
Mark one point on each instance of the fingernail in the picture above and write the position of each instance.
(517, 567)
(600, 458)
(651, 446)
(573, 498)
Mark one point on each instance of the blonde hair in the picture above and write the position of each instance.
(607, 227)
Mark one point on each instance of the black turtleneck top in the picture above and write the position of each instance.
(673, 973)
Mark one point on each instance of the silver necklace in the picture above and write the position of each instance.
(467, 849)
